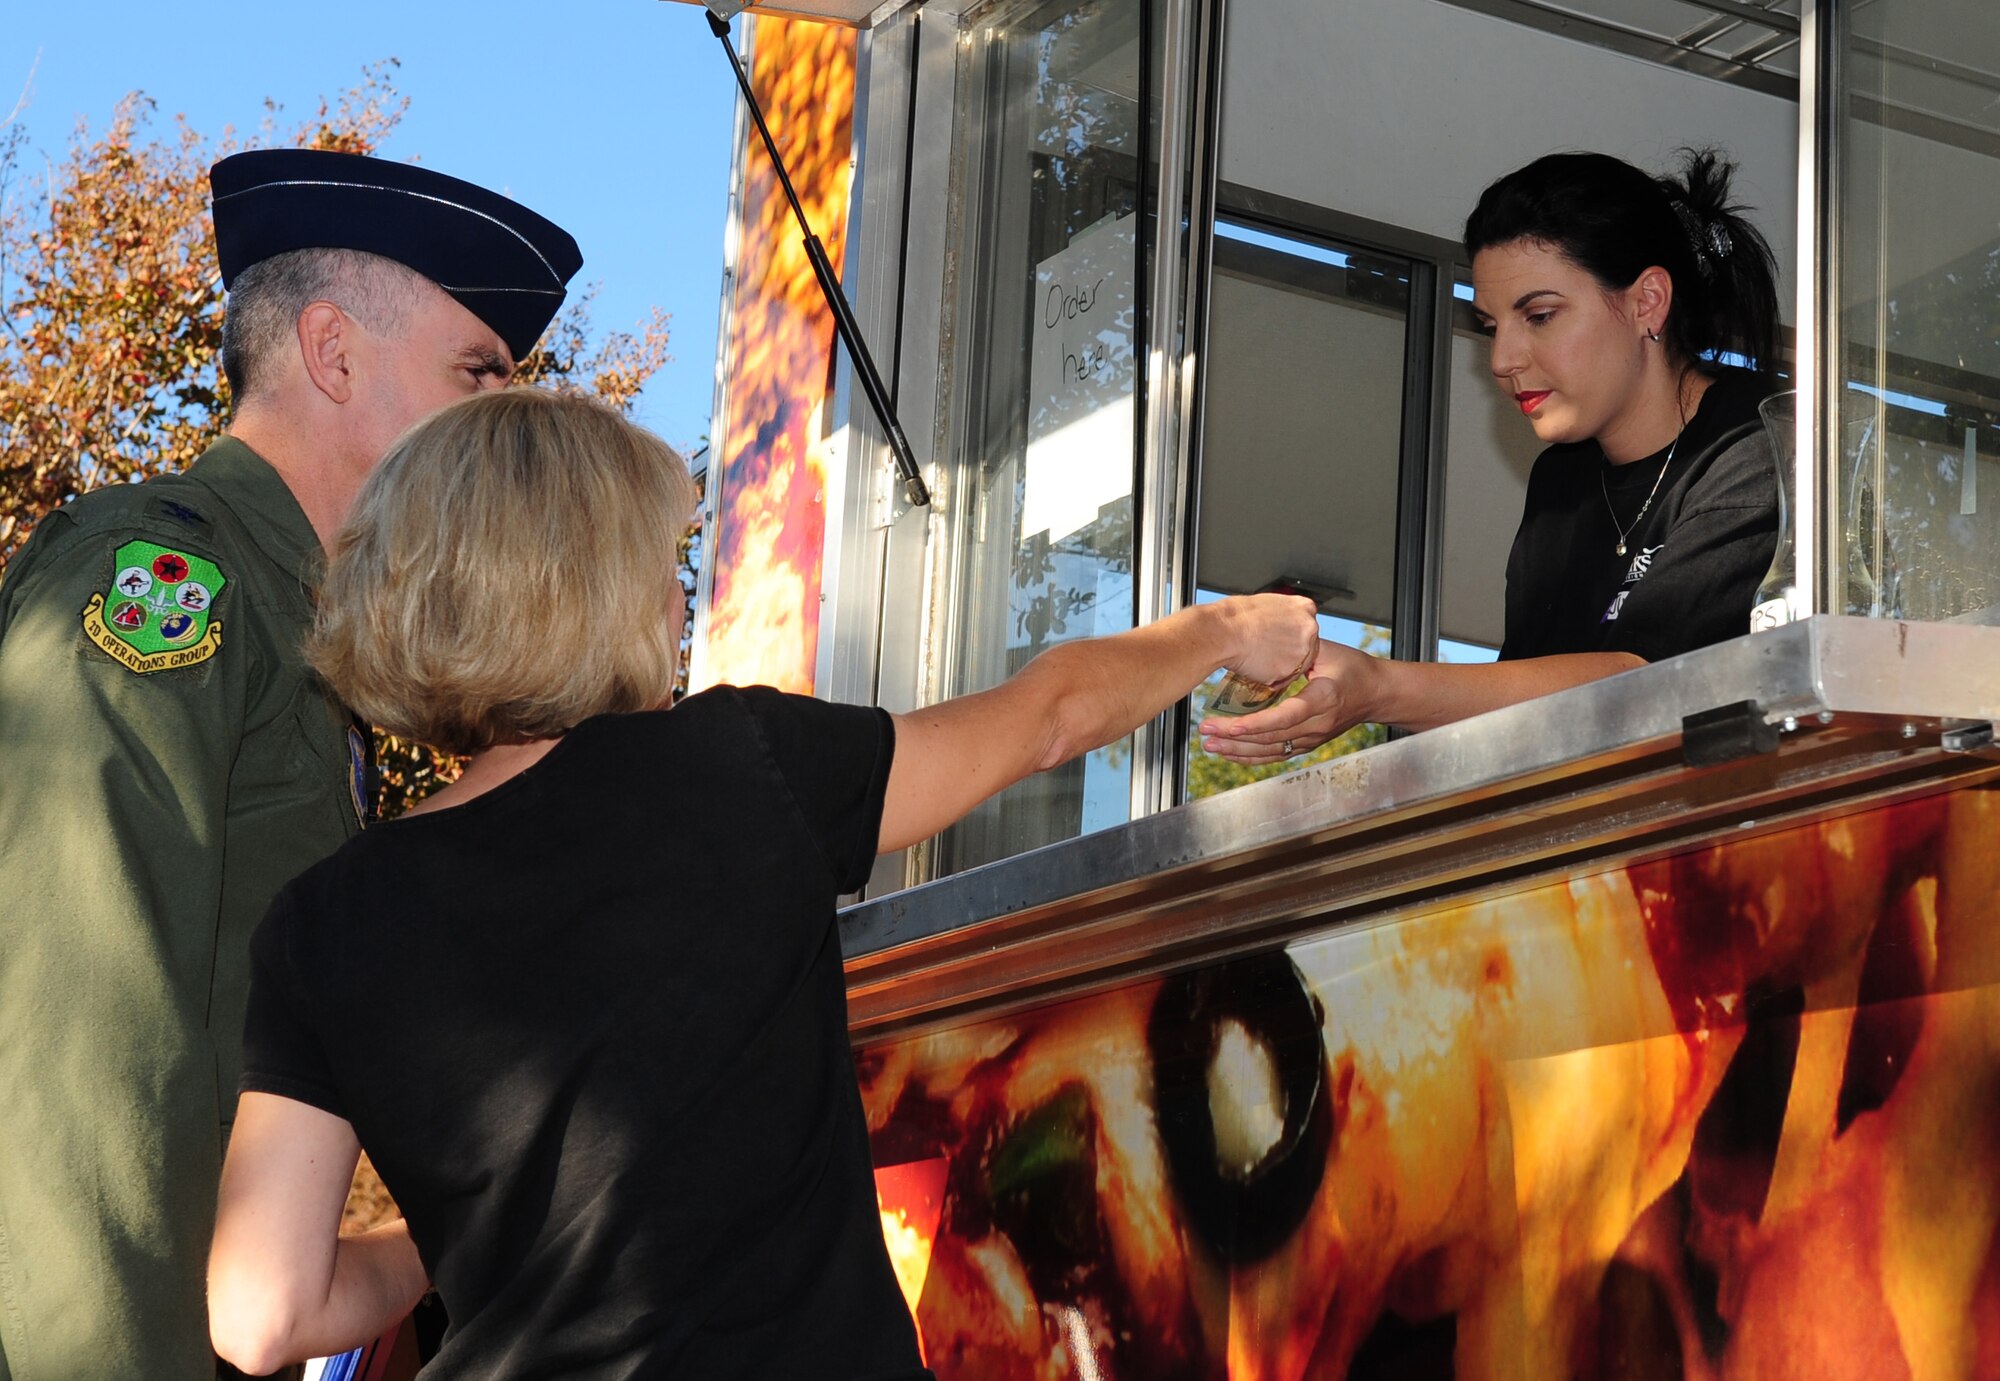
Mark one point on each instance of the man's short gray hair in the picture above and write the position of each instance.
(261, 321)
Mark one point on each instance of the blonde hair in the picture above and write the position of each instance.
(506, 573)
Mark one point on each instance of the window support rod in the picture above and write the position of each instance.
(914, 488)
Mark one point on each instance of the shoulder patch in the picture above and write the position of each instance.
(162, 507)
(156, 615)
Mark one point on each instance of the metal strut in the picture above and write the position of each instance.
(914, 488)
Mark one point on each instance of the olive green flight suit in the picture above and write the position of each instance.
(147, 818)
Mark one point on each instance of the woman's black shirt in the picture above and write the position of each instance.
(1692, 564)
(591, 1028)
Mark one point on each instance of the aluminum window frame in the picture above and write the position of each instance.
(1815, 514)
(1435, 265)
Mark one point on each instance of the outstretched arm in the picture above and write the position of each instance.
(1075, 697)
(1348, 687)
(283, 1285)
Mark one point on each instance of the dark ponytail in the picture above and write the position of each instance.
(1615, 222)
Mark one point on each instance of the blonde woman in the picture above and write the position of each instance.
(584, 1007)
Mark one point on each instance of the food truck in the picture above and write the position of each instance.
(1650, 1029)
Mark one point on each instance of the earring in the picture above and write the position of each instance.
(1653, 336)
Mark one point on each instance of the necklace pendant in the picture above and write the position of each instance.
(1621, 548)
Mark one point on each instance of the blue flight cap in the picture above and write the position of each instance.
(499, 260)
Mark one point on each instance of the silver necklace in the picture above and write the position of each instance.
(1624, 532)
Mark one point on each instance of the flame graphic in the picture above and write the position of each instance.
(911, 1200)
(1730, 1114)
(763, 623)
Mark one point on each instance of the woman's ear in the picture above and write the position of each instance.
(1652, 298)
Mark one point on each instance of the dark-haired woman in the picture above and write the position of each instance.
(1612, 298)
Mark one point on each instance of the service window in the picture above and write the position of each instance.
(1344, 370)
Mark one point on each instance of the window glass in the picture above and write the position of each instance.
(1301, 444)
(1302, 423)
(1465, 653)
(1916, 466)
(1044, 428)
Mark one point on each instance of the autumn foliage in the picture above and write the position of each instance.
(111, 309)
(111, 300)
(112, 303)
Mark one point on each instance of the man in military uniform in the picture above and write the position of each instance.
(166, 759)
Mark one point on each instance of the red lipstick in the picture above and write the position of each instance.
(1530, 401)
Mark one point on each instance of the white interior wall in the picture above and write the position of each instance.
(1402, 110)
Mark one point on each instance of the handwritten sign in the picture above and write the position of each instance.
(1081, 375)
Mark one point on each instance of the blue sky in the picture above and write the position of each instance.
(611, 117)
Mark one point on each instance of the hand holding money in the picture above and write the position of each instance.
(1239, 695)
(1243, 691)
(1339, 692)
(1275, 642)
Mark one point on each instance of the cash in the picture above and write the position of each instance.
(1238, 695)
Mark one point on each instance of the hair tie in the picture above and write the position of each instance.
(1709, 240)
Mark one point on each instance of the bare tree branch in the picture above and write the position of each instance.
(27, 88)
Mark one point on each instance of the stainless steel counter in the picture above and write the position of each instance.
(1808, 720)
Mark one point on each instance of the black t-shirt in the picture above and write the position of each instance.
(1692, 564)
(592, 1029)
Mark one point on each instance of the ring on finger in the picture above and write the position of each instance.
(1288, 748)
